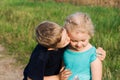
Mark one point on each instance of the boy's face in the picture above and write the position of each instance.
(79, 40)
(65, 40)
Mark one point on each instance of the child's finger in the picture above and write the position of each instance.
(62, 69)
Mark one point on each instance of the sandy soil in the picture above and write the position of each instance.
(8, 70)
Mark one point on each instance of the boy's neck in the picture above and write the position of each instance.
(52, 49)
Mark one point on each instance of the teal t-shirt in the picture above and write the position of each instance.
(79, 63)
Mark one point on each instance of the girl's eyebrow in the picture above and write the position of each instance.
(73, 40)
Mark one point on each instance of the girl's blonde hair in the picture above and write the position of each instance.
(79, 21)
(48, 34)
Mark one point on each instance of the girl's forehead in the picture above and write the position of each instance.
(79, 35)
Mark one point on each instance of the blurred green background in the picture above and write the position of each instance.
(18, 19)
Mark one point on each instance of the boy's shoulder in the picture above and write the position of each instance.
(39, 52)
(40, 47)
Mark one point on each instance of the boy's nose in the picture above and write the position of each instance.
(68, 39)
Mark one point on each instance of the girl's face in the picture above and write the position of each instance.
(65, 40)
(79, 40)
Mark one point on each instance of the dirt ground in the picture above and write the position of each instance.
(8, 69)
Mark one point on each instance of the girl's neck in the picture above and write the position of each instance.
(83, 49)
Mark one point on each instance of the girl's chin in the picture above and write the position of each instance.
(76, 49)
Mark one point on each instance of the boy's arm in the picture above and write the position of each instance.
(101, 53)
(64, 74)
(36, 65)
(96, 69)
(54, 77)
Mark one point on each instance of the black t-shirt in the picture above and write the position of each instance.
(43, 62)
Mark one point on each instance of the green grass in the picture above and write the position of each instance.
(18, 19)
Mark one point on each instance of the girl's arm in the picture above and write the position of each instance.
(96, 69)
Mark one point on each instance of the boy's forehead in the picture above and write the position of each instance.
(64, 33)
(64, 38)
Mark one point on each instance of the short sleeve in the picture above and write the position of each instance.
(36, 65)
(93, 56)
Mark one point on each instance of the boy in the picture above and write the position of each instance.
(46, 58)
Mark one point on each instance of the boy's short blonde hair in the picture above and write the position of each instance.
(79, 21)
(48, 34)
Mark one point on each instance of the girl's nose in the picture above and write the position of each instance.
(79, 43)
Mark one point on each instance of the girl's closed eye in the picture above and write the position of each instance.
(83, 40)
(74, 40)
